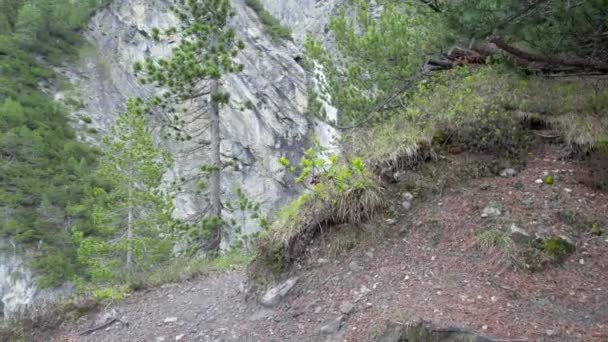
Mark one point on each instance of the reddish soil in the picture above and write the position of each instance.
(426, 265)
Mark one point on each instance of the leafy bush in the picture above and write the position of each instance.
(273, 26)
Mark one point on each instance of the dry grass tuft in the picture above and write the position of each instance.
(298, 223)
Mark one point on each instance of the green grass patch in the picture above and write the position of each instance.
(497, 239)
(183, 268)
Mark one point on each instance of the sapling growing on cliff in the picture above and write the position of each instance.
(191, 75)
(131, 217)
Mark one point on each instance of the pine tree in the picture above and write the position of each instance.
(132, 219)
(382, 46)
(206, 52)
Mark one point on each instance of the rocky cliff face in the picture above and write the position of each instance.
(254, 137)
(16, 284)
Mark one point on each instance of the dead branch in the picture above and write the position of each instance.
(573, 63)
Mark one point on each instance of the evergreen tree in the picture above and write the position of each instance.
(132, 219)
(193, 72)
(382, 47)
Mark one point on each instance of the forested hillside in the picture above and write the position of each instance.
(45, 172)
(388, 160)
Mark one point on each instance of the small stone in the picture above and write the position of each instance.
(485, 327)
(391, 221)
(581, 261)
(331, 326)
(105, 317)
(161, 339)
(519, 235)
(490, 211)
(273, 296)
(528, 201)
(346, 308)
(170, 320)
(406, 205)
(179, 337)
(494, 299)
(369, 254)
(568, 190)
(538, 181)
(322, 261)
(549, 332)
(407, 196)
(355, 267)
(568, 240)
(508, 173)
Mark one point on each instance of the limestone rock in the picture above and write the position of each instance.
(346, 307)
(490, 211)
(508, 172)
(425, 331)
(273, 296)
(519, 235)
(355, 267)
(170, 320)
(407, 196)
(332, 326)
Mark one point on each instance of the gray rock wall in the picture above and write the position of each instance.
(253, 139)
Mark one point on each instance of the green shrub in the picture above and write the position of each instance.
(557, 248)
(339, 191)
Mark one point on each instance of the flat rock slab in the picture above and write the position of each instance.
(422, 331)
(273, 296)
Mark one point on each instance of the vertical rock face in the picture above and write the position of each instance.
(17, 288)
(303, 16)
(271, 96)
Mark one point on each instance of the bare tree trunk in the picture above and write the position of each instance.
(130, 228)
(214, 179)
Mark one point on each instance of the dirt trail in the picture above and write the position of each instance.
(427, 265)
